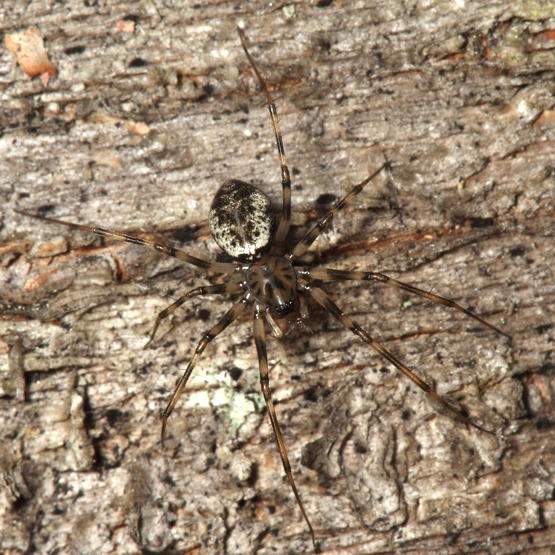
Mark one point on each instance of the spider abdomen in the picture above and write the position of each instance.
(241, 220)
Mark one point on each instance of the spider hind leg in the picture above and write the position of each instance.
(310, 236)
(285, 220)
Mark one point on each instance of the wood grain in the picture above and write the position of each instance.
(459, 98)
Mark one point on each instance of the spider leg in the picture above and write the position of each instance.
(342, 275)
(322, 299)
(310, 236)
(207, 265)
(260, 340)
(283, 227)
(227, 319)
(229, 287)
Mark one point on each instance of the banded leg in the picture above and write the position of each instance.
(229, 287)
(207, 265)
(283, 226)
(260, 340)
(342, 275)
(227, 319)
(322, 299)
(310, 236)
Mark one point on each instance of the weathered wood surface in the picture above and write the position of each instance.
(459, 98)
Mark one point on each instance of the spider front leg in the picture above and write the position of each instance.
(323, 300)
(229, 287)
(232, 314)
(343, 275)
(260, 340)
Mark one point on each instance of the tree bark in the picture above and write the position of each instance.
(458, 98)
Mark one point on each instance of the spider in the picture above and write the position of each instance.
(266, 276)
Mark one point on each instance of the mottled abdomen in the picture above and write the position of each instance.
(241, 219)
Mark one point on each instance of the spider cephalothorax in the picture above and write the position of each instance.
(266, 276)
(272, 282)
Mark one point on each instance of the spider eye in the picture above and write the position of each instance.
(241, 220)
(283, 309)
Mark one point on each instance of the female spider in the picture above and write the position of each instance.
(266, 276)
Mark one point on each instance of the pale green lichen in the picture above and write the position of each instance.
(240, 407)
(534, 9)
(289, 11)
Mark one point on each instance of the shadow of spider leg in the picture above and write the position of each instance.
(305, 276)
(260, 340)
(343, 275)
(310, 236)
(206, 265)
(324, 300)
